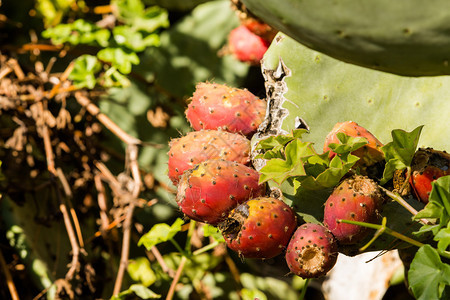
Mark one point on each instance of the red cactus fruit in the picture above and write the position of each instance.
(259, 28)
(199, 146)
(369, 154)
(259, 228)
(427, 166)
(247, 46)
(312, 251)
(358, 199)
(208, 192)
(216, 106)
(253, 23)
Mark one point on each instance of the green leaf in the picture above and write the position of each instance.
(139, 290)
(279, 170)
(113, 78)
(140, 271)
(399, 153)
(279, 141)
(120, 59)
(84, 72)
(332, 175)
(78, 32)
(347, 143)
(209, 230)
(134, 13)
(133, 39)
(438, 208)
(427, 275)
(160, 233)
(443, 238)
(252, 294)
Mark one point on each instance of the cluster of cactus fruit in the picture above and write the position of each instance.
(211, 167)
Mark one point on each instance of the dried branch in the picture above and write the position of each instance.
(62, 206)
(131, 162)
(101, 198)
(105, 120)
(9, 279)
(176, 278)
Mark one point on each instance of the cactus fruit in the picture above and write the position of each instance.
(198, 146)
(247, 46)
(427, 166)
(253, 23)
(312, 251)
(209, 191)
(369, 154)
(217, 106)
(259, 228)
(357, 198)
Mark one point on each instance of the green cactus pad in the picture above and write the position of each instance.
(402, 37)
(305, 86)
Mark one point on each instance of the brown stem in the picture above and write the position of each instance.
(176, 278)
(62, 206)
(132, 155)
(403, 203)
(105, 120)
(125, 249)
(161, 262)
(101, 198)
(9, 279)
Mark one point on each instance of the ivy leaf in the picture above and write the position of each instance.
(120, 59)
(332, 175)
(279, 141)
(140, 271)
(84, 71)
(279, 169)
(251, 294)
(443, 238)
(438, 208)
(399, 153)
(139, 290)
(134, 13)
(347, 143)
(113, 78)
(428, 275)
(209, 230)
(133, 39)
(160, 233)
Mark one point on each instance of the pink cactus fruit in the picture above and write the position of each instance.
(357, 198)
(259, 228)
(247, 46)
(369, 154)
(198, 146)
(216, 106)
(312, 251)
(209, 191)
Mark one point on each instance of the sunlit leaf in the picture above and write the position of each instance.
(84, 72)
(139, 290)
(399, 153)
(140, 271)
(428, 275)
(160, 233)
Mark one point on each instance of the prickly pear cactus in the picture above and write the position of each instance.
(402, 37)
(307, 88)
